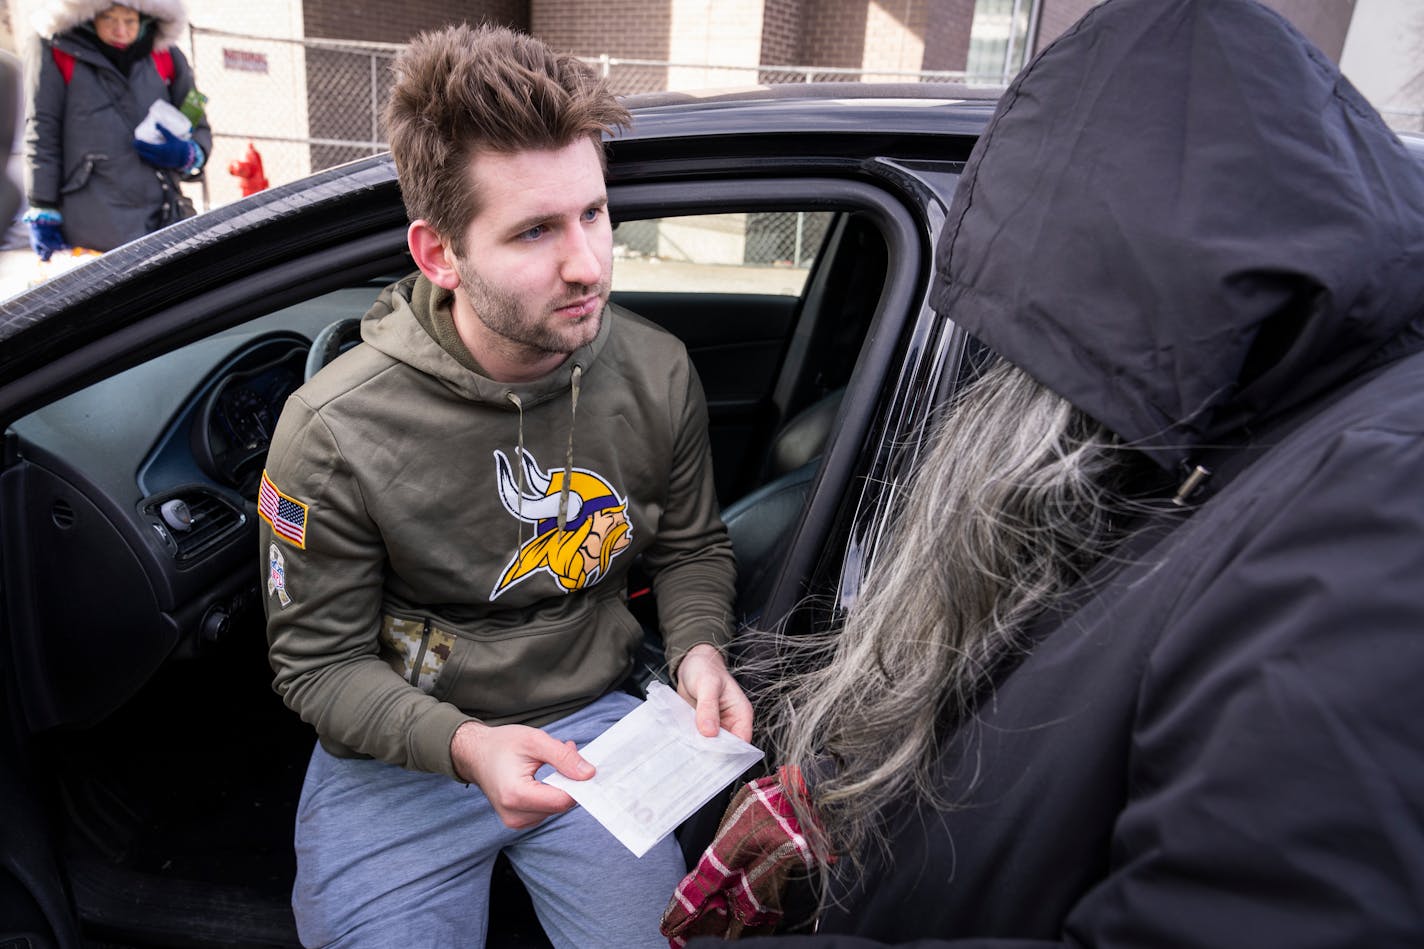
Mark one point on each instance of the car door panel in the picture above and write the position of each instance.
(75, 581)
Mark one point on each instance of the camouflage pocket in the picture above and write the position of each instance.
(415, 649)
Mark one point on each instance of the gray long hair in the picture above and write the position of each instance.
(1004, 513)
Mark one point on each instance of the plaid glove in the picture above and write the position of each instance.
(737, 886)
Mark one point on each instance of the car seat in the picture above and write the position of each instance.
(760, 523)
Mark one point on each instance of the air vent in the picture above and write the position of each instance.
(62, 514)
(213, 519)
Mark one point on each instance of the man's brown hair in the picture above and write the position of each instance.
(462, 89)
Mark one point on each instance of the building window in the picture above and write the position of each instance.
(999, 39)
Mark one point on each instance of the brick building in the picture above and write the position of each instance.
(907, 35)
(985, 39)
(931, 34)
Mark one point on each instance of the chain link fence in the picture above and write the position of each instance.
(301, 105)
(305, 105)
(629, 76)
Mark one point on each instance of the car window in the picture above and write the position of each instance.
(738, 288)
(752, 252)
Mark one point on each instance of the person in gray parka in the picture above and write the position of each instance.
(94, 71)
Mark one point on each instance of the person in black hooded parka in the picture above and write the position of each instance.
(1184, 222)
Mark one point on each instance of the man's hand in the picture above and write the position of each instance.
(703, 680)
(502, 760)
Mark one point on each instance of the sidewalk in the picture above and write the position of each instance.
(20, 269)
(17, 269)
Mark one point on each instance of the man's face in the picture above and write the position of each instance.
(538, 255)
(117, 26)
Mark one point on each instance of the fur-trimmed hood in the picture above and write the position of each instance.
(59, 16)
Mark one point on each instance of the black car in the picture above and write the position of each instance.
(148, 773)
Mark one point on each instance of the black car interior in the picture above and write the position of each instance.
(175, 769)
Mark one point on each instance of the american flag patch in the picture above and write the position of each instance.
(287, 516)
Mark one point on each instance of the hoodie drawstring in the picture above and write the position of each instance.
(519, 466)
(574, 379)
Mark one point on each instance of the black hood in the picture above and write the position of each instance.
(1184, 220)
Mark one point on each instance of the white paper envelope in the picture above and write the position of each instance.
(655, 770)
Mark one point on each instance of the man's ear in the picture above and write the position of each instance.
(432, 255)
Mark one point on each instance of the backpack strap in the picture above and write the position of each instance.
(163, 62)
(64, 61)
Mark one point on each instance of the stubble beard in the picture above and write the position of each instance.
(504, 315)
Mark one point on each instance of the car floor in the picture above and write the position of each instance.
(177, 811)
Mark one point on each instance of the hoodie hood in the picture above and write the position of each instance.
(411, 322)
(54, 18)
(1185, 221)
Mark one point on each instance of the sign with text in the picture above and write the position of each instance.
(244, 60)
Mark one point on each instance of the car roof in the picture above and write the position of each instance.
(1414, 141)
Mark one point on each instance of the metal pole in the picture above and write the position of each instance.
(1009, 68)
(800, 233)
(193, 65)
(375, 103)
(1035, 13)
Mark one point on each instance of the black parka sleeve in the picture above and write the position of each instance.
(44, 127)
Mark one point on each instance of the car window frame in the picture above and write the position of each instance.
(899, 309)
(901, 306)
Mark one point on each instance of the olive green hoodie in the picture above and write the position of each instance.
(425, 560)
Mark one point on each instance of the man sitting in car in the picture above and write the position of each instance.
(450, 511)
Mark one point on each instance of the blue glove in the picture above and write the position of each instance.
(193, 167)
(46, 235)
(173, 152)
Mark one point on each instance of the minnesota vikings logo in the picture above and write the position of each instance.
(595, 525)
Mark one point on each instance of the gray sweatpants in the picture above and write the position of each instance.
(389, 857)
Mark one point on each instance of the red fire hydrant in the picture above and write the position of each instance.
(249, 172)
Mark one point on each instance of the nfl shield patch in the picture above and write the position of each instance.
(277, 576)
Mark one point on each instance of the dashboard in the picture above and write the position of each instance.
(138, 537)
(235, 423)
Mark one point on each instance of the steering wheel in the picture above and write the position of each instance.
(334, 339)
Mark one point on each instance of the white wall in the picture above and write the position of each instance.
(1384, 58)
(727, 33)
(890, 43)
(245, 102)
